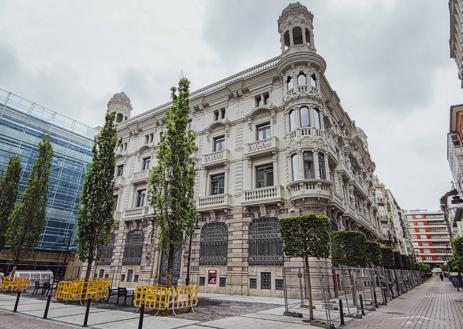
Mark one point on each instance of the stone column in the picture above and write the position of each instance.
(315, 165)
(275, 169)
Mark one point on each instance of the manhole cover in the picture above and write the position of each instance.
(396, 313)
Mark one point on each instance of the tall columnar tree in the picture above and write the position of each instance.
(398, 261)
(305, 236)
(388, 258)
(27, 221)
(172, 180)
(349, 248)
(95, 216)
(9, 184)
(374, 253)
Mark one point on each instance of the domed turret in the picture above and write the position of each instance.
(120, 104)
(295, 28)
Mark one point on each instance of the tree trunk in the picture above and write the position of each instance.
(89, 268)
(309, 286)
(170, 265)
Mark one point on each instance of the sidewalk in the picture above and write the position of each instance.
(433, 305)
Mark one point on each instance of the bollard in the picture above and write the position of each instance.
(89, 301)
(142, 314)
(17, 302)
(341, 312)
(361, 304)
(45, 314)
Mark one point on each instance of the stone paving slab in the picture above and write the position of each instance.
(9, 320)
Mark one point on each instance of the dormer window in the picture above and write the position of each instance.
(289, 83)
(301, 79)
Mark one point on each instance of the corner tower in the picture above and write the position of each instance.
(120, 104)
(296, 28)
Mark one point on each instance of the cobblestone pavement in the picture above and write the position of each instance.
(433, 305)
(9, 320)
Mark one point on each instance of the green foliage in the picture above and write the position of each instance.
(306, 235)
(398, 261)
(455, 263)
(405, 262)
(9, 184)
(457, 246)
(388, 258)
(349, 248)
(425, 268)
(171, 184)
(27, 220)
(95, 216)
(374, 253)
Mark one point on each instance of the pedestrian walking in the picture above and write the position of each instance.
(441, 276)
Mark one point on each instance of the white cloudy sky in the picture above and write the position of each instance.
(387, 59)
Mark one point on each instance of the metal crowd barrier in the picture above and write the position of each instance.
(161, 298)
(80, 290)
(14, 284)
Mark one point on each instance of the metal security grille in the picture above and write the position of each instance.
(133, 248)
(265, 245)
(279, 284)
(265, 280)
(202, 281)
(222, 282)
(253, 283)
(105, 253)
(175, 267)
(213, 244)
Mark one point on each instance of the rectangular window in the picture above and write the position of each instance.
(321, 165)
(135, 278)
(265, 280)
(129, 275)
(253, 283)
(151, 137)
(279, 284)
(101, 273)
(309, 170)
(202, 281)
(222, 282)
(141, 195)
(264, 175)
(258, 100)
(147, 139)
(263, 131)
(120, 170)
(217, 184)
(222, 113)
(146, 163)
(122, 277)
(106, 275)
(219, 143)
(266, 98)
(115, 199)
(295, 166)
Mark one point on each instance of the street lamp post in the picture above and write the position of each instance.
(187, 280)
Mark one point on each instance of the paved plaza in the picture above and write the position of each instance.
(434, 304)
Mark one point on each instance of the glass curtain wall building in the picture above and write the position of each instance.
(22, 125)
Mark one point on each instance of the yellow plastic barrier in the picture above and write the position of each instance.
(79, 290)
(14, 284)
(161, 298)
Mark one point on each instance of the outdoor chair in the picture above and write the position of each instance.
(37, 287)
(46, 288)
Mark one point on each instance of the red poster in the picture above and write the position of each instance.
(212, 277)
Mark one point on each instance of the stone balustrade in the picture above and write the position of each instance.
(310, 189)
(215, 158)
(262, 146)
(214, 201)
(263, 194)
(141, 175)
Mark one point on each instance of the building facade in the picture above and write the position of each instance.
(272, 140)
(22, 126)
(456, 34)
(430, 234)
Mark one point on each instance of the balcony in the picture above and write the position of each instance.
(217, 201)
(269, 194)
(216, 158)
(310, 189)
(135, 213)
(299, 91)
(119, 181)
(301, 132)
(140, 176)
(262, 147)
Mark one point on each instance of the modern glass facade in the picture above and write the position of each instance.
(22, 126)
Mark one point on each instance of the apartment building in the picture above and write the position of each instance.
(430, 234)
(456, 34)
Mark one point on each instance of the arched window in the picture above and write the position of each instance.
(295, 166)
(133, 248)
(119, 117)
(305, 117)
(309, 168)
(301, 79)
(289, 83)
(292, 120)
(265, 245)
(307, 36)
(213, 244)
(317, 123)
(105, 252)
(321, 165)
(313, 81)
(297, 36)
(287, 40)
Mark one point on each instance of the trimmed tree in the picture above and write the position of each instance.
(27, 221)
(171, 184)
(95, 216)
(387, 257)
(374, 253)
(349, 248)
(306, 236)
(9, 184)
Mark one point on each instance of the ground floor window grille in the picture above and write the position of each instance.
(202, 281)
(265, 280)
(253, 283)
(222, 282)
(279, 285)
(133, 248)
(213, 244)
(265, 245)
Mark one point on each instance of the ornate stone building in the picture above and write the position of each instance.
(272, 140)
